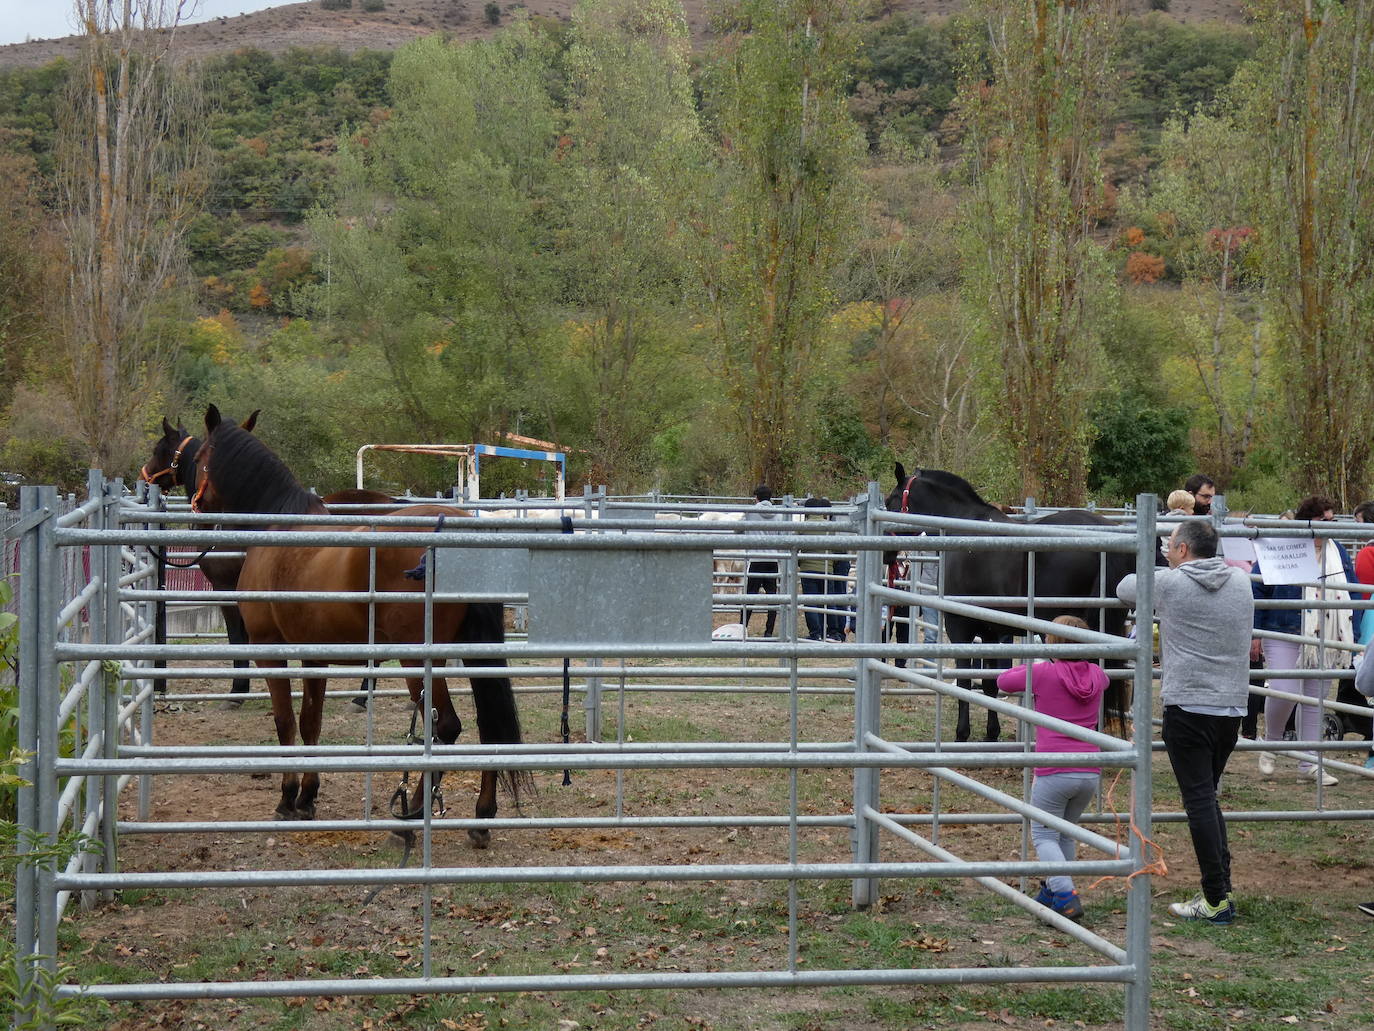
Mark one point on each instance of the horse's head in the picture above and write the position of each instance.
(165, 469)
(935, 492)
(219, 433)
(237, 473)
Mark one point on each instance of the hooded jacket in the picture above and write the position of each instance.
(1068, 690)
(1206, 613)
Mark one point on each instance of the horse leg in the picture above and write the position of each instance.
(312, 714)
(284, 715)
(900, 630)
(234, 630)
(962, 729)
(994, 730)
(369, 685)
(445, 729)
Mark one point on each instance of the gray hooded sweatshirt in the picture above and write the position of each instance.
(1206, 614)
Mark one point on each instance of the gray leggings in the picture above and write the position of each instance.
(1065, 795)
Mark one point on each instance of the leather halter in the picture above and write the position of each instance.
(143, 473)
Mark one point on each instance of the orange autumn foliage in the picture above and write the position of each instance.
(1144, 268)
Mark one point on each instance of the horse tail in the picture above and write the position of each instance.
(498, 721)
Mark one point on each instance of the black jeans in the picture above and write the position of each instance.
(762, 579)
(1198, 747)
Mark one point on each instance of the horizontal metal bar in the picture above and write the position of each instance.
(601, 982)
(461, 758)
(335, 878)
(997, 887)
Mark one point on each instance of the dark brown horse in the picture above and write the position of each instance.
(1061, 574)
(173, 465)
(238, 475)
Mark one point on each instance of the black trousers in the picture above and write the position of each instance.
(1198, 747)
(762, 579)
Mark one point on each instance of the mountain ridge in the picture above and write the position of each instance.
(309, 24)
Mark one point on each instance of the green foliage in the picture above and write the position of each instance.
(336, 5)
(780, 227)
(492, 12)
(1139, 447)
(1170, 68)
(373, 6)
(906, 78)
(1036, 282)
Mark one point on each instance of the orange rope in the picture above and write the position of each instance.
(1156, 865)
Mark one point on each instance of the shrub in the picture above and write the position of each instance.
(336, 5)
(373, 6)
(493, 12)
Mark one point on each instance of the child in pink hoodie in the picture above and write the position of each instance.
(1071, 690)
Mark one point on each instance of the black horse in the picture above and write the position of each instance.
(1059, 574)
(173, 465)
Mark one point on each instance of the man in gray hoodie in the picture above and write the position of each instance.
(1206, 613)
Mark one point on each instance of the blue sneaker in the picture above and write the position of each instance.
(1065, 903)
(1369, 763)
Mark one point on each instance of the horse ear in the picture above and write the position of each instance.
(251, 421)
(901, 474)
(212, 419)
(168, 430)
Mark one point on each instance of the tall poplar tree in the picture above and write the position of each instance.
(1314, 110)
(1033, 272)
(133, 158)
(631, 163)
(788, 164)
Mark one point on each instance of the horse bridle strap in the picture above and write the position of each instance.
(143, 473)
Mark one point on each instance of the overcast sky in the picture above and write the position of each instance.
(47, 19)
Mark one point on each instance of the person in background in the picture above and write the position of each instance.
(762, 574)
(1328, 624)
(1070, 690)
(1206, 614)
(811, 570)
(1364, 573)
(1203, 489)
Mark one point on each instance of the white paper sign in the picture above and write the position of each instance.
(1240, 549)
(1286, 560)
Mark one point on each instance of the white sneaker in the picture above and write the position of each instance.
(1266, 763)
(1312, 772)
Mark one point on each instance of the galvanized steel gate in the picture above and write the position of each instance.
(104, 635)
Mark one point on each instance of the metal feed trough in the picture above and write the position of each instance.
(102, 631)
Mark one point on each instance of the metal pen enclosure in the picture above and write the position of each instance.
(103, 633)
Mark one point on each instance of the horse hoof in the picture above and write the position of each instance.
(360, 704)
(479, 839)
(230, 704)
(284, 814)
(305, 814)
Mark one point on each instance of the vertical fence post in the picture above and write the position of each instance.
(112, 685)
(867, 698)
(26, 876)
(97, 698)
(1142, 709)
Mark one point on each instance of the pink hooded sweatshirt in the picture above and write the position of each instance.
(1068, 690)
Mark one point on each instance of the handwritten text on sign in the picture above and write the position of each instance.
(1286, 560)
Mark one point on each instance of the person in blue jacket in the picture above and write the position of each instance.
(1292, 655)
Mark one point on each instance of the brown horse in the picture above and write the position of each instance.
(239, 474)
(173, 465)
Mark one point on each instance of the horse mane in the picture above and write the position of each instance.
(955, 483)
(249, 477)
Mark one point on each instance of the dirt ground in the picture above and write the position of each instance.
(591, 926)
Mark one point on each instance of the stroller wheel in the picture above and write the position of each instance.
(1332, 728)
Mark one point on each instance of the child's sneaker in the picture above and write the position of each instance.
(1065, 903)
(1198, 908)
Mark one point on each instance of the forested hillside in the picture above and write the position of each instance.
(793, 255)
